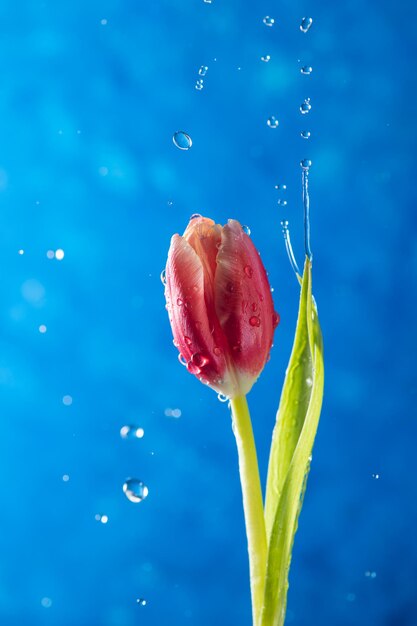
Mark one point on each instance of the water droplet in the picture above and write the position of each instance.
(309, 382)
(272, 122)
(237, 348)
(230, 287)
(199, 84)
(275, 318)
(305, 107)
(101, 518)
(195, 216)
(65, 478)
(135, 490)
(203, 70)
(163, 277)
(217, 351)
(199, 360)
(281, 187)
(255, 321)
(170, 203)
(306, 70)
(142, 601)
(266, 58)
(282, 202)
(248, 271)
(21, 252)
(222, 398)
(131, 432)
(306, 23)
(246, 229)
(187, 340)
(306, 164)
(180, 302)
(59, 254)
(42, 329)
(305, 134)
(182, 360)
(268, 21)
(254, 306)
(182, 140)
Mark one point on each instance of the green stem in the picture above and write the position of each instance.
(252, 502)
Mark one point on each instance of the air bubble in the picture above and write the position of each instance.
(282, 202)
(203, 70)
(131, 432)
(268, 21)
(305, 107)
(135, 490)
(182, 140)
(306, 164)
(272, 122)
(306, 23)
(199, 84)
(266, 58)
(222, 398)
(305, 134)
(142, 601)
(306, 70)
(281, 187)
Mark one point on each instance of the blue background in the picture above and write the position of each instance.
(87, 164)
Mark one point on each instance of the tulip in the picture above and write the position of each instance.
(220, 305)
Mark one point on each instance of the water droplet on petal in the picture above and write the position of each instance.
(248, 271)
(306, 164)
(163, 277)
(268, 21)
(182, 360)
(180, 302)
(305, 134)
(306, 23)
(305, 107)
(306, 70)
(217, 351)
(222, 398)
(135, 490)
(246, 229)
(131, 432)
(266, 58)
(199, 360)
(230, 287)
(255, 321)
(275, 318)
(182, 140)
(203, 70)
(272, 122)
(187, 340)
(309, 382)
(195, 216)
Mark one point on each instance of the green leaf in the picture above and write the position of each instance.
(292, 443)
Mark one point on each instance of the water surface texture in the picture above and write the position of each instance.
(144, 526)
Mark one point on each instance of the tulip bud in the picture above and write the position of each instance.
(220, 305)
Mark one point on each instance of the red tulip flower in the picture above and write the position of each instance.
(220, 305)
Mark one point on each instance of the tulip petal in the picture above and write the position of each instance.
(244, 304)
(197, 335)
